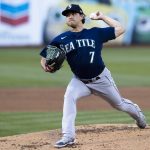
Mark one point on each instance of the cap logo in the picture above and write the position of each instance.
(69, 6)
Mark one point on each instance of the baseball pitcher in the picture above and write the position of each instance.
(82, 49)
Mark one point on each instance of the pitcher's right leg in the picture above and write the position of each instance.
(134, 111)
(106, 88)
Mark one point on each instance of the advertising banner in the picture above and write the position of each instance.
(32, 22)
(20, 23)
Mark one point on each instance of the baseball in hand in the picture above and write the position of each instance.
(92, 16)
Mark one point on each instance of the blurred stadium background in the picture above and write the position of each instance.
(27, 22)
(26, 26)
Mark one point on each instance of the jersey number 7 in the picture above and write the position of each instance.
(92, 56)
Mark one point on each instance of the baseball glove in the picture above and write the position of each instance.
(54, 58)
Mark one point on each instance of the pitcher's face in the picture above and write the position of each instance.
(73, 19)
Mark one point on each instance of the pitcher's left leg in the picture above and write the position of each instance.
(75, 90)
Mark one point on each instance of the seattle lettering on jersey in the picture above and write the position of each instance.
(77, 44)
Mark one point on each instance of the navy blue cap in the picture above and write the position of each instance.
(72, 8)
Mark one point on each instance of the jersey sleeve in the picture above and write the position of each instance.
(106, 34)
(54, 43)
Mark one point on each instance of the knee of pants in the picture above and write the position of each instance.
(69, 97)
(120, 106)
(75, 95)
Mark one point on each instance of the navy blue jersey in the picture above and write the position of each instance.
(83, 50)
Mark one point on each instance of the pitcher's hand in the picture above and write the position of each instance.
(97, 16)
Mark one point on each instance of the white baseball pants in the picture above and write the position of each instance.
(104, 87)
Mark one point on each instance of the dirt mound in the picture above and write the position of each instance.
(89, 137)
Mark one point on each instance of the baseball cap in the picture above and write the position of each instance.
(74, 8)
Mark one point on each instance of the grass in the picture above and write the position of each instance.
(21, 68)
(25, 122)
(129, 66)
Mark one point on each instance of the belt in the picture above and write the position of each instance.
(86, 81)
